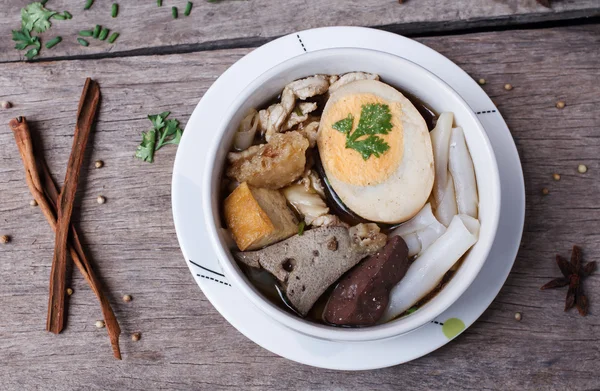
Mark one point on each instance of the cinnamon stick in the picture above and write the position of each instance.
(88, 105)
(45, 192)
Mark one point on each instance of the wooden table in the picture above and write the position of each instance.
(162, 64)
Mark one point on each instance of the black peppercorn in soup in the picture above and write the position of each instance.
(349, 202)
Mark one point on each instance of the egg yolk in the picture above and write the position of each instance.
(348, 165)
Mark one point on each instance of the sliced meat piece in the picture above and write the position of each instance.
(350, 77)
(273, 165)
(311, 181)
(278, 113)
(306, 201)
(310, 86)
(368, 235)
(310, 130)
(299, 114)
(263, 121)
(329, 221)
(362, 296)
(306, 265)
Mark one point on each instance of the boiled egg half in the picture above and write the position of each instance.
(389, 188)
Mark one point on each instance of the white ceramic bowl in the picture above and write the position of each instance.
(402, 74)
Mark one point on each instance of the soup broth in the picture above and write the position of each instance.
(265, 282)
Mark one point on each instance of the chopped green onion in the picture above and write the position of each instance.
(68, 15)
(188, 8)
(82, 42)
(88, 4)
(115, 10)
(53, 42)
(86, 33)
(174, 12)
(103, 34)
(113, 37)
(301, 228)
(159, 3)
(59, 17)
(96, 31)
(411, 310)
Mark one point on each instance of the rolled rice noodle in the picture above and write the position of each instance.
(413, 243)
(463, 173)
(446, 207)
(246, 131)
(427, 270)
(440, 140)
(421, 220)
(421, 231)
(307, 203)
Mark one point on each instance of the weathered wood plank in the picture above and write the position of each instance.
(148, 29)
(185, 342)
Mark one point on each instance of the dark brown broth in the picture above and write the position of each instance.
(268, 286)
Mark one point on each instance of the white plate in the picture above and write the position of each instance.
(252, 322)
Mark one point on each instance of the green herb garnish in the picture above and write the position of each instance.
(36, 17)
(374, 119)
(411, 310)
(301, 227)
(174, 12)
(24, 40)
(86, 33)
(96, 31)
(145, 151)
(114, 11)
(103, 34)
(164, 131)
(88, 4)
(188, 8)
(53, 42)
(113, 37)
(159, 3)
(83, 42)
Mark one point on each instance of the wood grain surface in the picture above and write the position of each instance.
(146, 28)
(185, 343)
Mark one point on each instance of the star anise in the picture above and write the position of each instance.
(573, 274)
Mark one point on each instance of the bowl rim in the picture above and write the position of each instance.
(236, 276)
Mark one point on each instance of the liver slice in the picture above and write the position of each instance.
(361, 297)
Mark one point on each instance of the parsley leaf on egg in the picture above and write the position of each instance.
(344, 125)
(374, 119)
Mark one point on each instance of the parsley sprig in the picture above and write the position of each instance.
(24, 39)
(374, 119)
(164, 131)
(34, 18)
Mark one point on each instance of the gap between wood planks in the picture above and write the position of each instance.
(413, 30)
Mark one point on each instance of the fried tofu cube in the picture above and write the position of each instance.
(258, 217)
